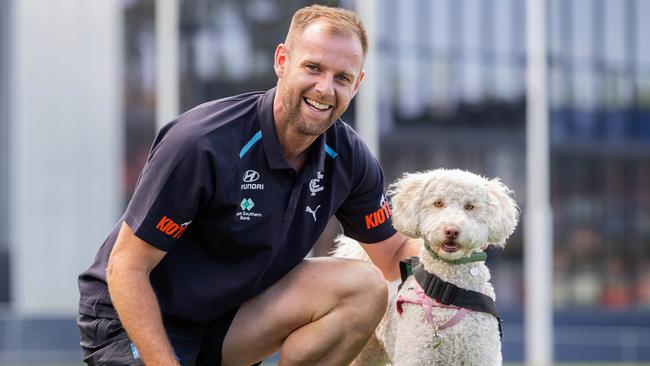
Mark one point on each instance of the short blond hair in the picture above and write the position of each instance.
(338, 20)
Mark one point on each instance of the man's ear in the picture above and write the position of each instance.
(280, 60)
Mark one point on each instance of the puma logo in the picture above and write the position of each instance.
(312, 212)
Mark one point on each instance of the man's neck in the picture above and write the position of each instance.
(298, 162)
(294, 145)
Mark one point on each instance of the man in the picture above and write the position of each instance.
(207, 264)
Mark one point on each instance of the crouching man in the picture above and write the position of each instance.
(206, 266)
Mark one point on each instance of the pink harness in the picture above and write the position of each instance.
(428, 304)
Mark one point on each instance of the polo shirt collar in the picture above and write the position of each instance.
(272, 148)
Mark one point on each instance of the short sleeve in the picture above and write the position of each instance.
(176, 181)
(366, 215)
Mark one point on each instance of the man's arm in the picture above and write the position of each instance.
(387, 254)
(129, 266)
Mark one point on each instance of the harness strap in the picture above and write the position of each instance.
(449, 294)
(460, 314)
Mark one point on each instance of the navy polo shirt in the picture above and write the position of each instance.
(218, 195)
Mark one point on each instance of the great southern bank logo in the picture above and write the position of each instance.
(251, 176)
(247, 205)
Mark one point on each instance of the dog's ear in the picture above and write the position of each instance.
(504, 210)
(406, 194)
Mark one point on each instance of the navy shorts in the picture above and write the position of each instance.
(104, 342)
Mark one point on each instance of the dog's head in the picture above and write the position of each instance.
(456, 211)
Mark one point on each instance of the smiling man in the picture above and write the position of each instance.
(207, 267)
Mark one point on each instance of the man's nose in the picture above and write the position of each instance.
(325, 85)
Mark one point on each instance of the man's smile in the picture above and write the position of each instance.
(317, 105)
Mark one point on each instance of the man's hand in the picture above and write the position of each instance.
(387, 254)
(129, 266)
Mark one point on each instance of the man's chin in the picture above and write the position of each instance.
(311, 133)
(314, 128)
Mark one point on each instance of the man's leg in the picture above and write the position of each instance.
(320, 313)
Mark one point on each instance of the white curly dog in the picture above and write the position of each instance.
(458, 214)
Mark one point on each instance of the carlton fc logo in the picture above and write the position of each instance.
(251, 176)
(314, 184)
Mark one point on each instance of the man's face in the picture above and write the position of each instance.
(318, 75)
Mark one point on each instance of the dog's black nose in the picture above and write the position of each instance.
(452, 232)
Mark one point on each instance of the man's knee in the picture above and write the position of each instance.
(366, 288)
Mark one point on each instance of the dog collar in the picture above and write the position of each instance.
(474, 257)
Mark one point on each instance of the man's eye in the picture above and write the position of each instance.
(343, 78)
(312, 67)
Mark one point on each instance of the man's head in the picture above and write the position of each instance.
(337, 20)
(319, 68)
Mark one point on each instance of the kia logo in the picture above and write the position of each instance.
(251, 176)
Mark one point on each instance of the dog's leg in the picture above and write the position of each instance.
(481, 335)
(412, 339)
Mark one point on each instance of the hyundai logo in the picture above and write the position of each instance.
(251, 176)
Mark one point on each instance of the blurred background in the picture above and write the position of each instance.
(78, 110)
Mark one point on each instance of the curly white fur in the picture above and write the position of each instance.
(426, 205)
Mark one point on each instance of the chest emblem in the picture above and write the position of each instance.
(251, 176)
(248, 181)
(314, 184)
(247, 205)
(312, 212)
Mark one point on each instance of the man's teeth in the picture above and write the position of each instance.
(317, 105)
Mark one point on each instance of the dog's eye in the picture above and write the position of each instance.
(469, 206)
(438, 203)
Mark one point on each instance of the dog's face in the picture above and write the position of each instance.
(457, 212)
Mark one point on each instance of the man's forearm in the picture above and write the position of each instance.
(410, 248)
(139, 312)
(387, 254)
